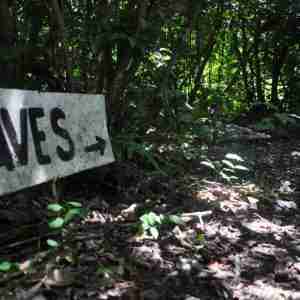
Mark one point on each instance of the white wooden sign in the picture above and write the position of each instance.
(48, 135)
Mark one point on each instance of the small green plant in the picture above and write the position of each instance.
(152, 222)
(7, 266)
(60, 215)
(229, 168)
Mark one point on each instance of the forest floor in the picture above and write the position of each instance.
(227, 241)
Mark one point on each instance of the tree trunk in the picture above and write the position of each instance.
(242, 58)
(7, 43)
(277, 64)
(258, 78)
(205, 53)
(203, 60)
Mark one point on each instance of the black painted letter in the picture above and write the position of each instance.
(55, 115)
(5, 155)
(20, 149)
(38, 135)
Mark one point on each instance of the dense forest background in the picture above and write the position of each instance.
(161, 64)
(202, 99)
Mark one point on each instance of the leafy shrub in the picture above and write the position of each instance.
(229, 169)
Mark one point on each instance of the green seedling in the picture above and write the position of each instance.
(60, 215)
(152, 222)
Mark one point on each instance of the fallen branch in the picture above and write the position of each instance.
(186, 217)
(197, 214)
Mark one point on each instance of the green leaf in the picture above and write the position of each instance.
(200, 237)
(225, 176)
(74, 204)
(241, 168)
(154, 218)
(56, 223)
(52, 243)
(145, 226)
(71, 214)
(227, 170)
(5, 266)
(208, 164)
(151, 218)
(159, 218)
(233, 156)
(175, 219)
(228, 163)
(144, 219)
(154, 232)
(76, 73)
(55, 207)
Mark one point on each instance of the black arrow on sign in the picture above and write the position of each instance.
(98, 146)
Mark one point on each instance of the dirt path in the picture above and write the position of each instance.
(233, 241)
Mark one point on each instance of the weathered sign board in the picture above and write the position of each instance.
(49, 135)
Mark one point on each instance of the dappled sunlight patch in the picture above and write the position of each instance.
(95, 216)
(282, 205)
(249, 189)
(252, 202)
(221, 270)
(261, 290)
(212, 229)
(205, 195)
(231, 233)
(261, 225)
(234, 132)
(118, 290)
(217, 192)
(295, 154)
(269, 249)
(296, 268)
(174, 250)
(234, 205)
(286, 187)
(186, 265)
(228, 198)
